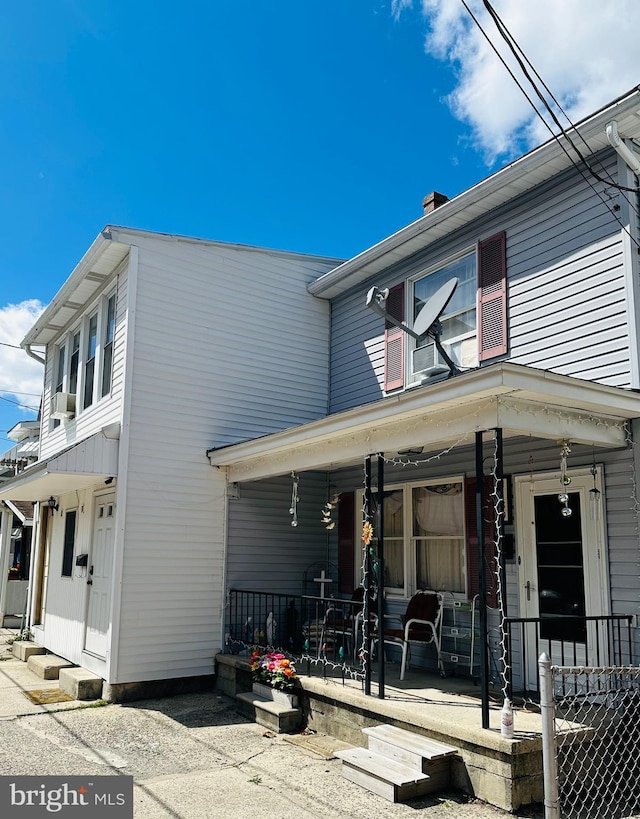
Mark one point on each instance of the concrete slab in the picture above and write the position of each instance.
(80, 683)
(47, 666)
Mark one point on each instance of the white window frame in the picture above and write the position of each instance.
(471, 250)
(409, 556)
(99, 309)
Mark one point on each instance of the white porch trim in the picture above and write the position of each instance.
(521, 400)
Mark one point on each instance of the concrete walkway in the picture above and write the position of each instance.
(16, 679)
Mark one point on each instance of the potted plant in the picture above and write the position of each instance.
(274, 677)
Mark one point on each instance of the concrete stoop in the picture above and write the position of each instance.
(73, 680)
(47, 666)
(398, 764)
(80, 683)
(23, 649)
(278, 718)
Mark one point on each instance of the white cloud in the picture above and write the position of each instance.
(19, 373)
(585, 50)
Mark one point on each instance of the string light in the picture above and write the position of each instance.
(498, 516)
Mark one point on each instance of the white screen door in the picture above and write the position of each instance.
(100, 576)
(561, 572)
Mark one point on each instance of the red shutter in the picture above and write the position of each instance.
(473, 573)
(492, 297)
(346, 542)
(394, 341)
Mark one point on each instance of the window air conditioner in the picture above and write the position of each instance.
(424, 364)
(63, 405)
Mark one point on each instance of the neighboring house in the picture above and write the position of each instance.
(16, 526)
(162, 350)
(544, 327)
(156, 346)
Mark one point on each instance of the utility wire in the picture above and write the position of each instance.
(548, 127)
(15, 346)
(17, 404)
(520, 56)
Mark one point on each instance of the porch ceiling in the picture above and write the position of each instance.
(520, 400)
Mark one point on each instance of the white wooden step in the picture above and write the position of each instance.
(382, 776)
(409, 741)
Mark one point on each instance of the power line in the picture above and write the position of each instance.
(550, 129)
(15, 346)
(17, 404)
(518, 52)
(18, 392)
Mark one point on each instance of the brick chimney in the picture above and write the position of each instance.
(433, 200)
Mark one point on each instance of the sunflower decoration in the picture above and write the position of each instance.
(367, 533)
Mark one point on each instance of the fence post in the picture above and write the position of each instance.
(549, 762)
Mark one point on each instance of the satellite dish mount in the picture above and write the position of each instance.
(427, 323)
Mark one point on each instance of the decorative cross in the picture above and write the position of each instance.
(323, 580)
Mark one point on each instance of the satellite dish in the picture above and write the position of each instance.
(434, 308)
(426, 323)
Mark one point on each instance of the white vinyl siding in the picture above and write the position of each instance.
(565, 286)
(203, 376)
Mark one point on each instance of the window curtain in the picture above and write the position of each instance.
(438, 513)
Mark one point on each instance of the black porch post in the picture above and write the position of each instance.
(380, 575)
(500, 520)
(482, 586)
(366, 638)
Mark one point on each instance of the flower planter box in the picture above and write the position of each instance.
(275, 695)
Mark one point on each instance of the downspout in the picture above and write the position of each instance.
(618, 144)
(31, 354)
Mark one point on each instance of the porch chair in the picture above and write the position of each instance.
(420, 625)
(342, 623)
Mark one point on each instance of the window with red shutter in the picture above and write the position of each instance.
(492, 297)
(473, 573)
(394, 341)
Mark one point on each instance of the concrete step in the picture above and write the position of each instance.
(382, 776)
(279, 718)
(47, 666)
(417, 752)
(80, 683)
(23, 649)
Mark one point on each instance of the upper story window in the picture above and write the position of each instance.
(459, 336)
(474, 323)
(90, 360)
(83, 362)
(74, 362)
(107, 348)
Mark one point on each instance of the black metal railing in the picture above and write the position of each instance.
(568, 641)
(309, 628)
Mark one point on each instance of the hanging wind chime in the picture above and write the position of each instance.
(594, 494)
(293, 509)
(565, 480)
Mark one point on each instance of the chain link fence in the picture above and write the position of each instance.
(591, 741)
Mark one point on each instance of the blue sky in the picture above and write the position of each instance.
(306, 126)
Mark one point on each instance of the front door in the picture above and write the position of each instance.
(99, 576)
(562, 574)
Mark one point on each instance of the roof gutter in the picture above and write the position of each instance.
(620, 147)
(31, 354)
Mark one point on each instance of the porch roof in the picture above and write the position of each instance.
(521, 400)
(77, 467)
